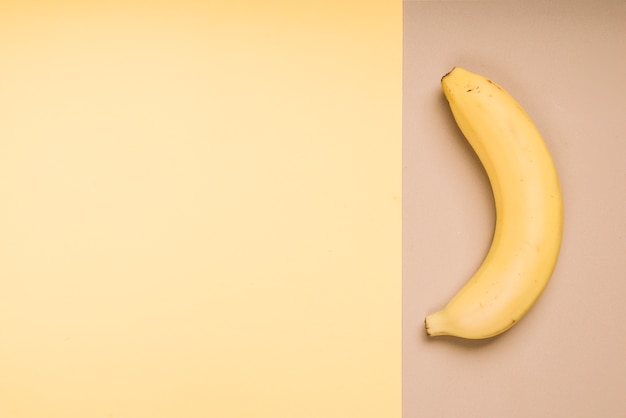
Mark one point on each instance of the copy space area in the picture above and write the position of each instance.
(200, 209)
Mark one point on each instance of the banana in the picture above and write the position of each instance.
(529, 211)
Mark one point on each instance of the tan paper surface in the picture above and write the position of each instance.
(563, 62)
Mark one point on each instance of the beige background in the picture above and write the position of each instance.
(564, 62)
(200, 209)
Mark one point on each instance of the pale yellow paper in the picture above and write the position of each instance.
(200, 209)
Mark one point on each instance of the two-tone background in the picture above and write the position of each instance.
(246, 209)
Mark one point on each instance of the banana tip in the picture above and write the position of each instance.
(428, 327)
(448, 73)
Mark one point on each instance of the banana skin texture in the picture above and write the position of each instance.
(529, 211)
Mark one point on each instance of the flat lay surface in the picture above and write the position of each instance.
(191, 224)
(560, 60)
(247, 209)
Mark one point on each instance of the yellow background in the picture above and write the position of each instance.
(200, 209)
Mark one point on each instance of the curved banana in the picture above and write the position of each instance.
(529, 210)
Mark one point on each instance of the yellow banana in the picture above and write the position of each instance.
(529, 210)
